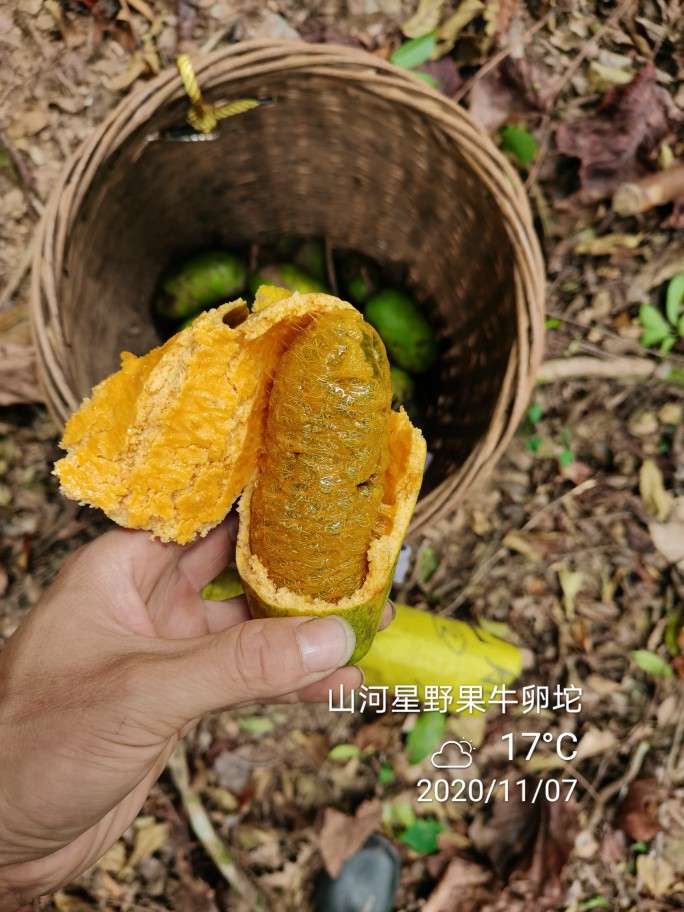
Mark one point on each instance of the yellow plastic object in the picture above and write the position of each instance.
(426, 650)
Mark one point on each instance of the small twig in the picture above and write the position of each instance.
(588, 49)
(654, 190)
(496, 59)
(501, 550)
(330, 267)
(205, 832)
(25, 175)
(673, 760)
(627, 369)
(615, 787)
(17, 278)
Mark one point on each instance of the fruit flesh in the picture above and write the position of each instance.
(317, 498)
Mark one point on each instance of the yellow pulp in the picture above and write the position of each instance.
(326, 450)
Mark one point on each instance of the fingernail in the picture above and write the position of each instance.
(325, 643)
(393, 607)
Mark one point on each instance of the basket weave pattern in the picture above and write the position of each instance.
(352, 149)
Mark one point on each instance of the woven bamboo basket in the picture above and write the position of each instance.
(353, 150)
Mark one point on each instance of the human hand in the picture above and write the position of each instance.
(117, 661)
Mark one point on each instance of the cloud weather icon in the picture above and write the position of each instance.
(453, 755)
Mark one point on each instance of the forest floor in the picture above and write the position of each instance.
(572, 550)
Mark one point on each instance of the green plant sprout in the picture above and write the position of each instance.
(665, 330)
(414, 53)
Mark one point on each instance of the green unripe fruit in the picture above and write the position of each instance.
(403, 387)
(311, 258)
(285, 275)
(202, 281)
(408, 337)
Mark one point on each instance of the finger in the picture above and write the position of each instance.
(388, 615)
(203, 560)
(348, 678)
(221, 615)
(256, 660)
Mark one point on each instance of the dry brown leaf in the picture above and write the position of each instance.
(114, 859)
(64, 902)
(445, 72)
(515, 87)
(661, 267)
(571, 583)
(668, 537)
(29, 121)
(425, 19)
(461, 889)
(536, 546)
(607, 244)
(530, 841)
(595, 741)
(140, 6)
(342, 835)
(148, 839)
(656, 875)
(18, 376)
(656, 499)
(636, 815)
(451, 28)
(614, 144)
(498, 17)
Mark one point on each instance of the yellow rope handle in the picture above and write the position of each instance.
(202, 116)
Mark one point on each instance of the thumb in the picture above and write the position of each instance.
(255, 660)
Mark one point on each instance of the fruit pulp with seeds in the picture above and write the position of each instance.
(319, 492)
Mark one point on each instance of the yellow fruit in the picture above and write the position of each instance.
(169, 442)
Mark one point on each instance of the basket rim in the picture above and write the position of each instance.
(248, 59)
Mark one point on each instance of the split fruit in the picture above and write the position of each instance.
(291, 406)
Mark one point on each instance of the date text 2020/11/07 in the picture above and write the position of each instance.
(475, 791)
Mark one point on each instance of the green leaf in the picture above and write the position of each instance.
(651, 663)
(651, 318)
(256, 724)
(565, 458)
(344, 752)
(667, 344)
(533, 444)
(675, 298)
(422, 835)
(670, 637)
(425, 736)
(553, 323)
(654, 336)
(596, 902)
(520, 143)
(428, 561)
(386, 774)
(226, 585)
(535, 413)
(397, 814)
(412, 53)
(640, 847)
(680, 327)
(430, 80)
